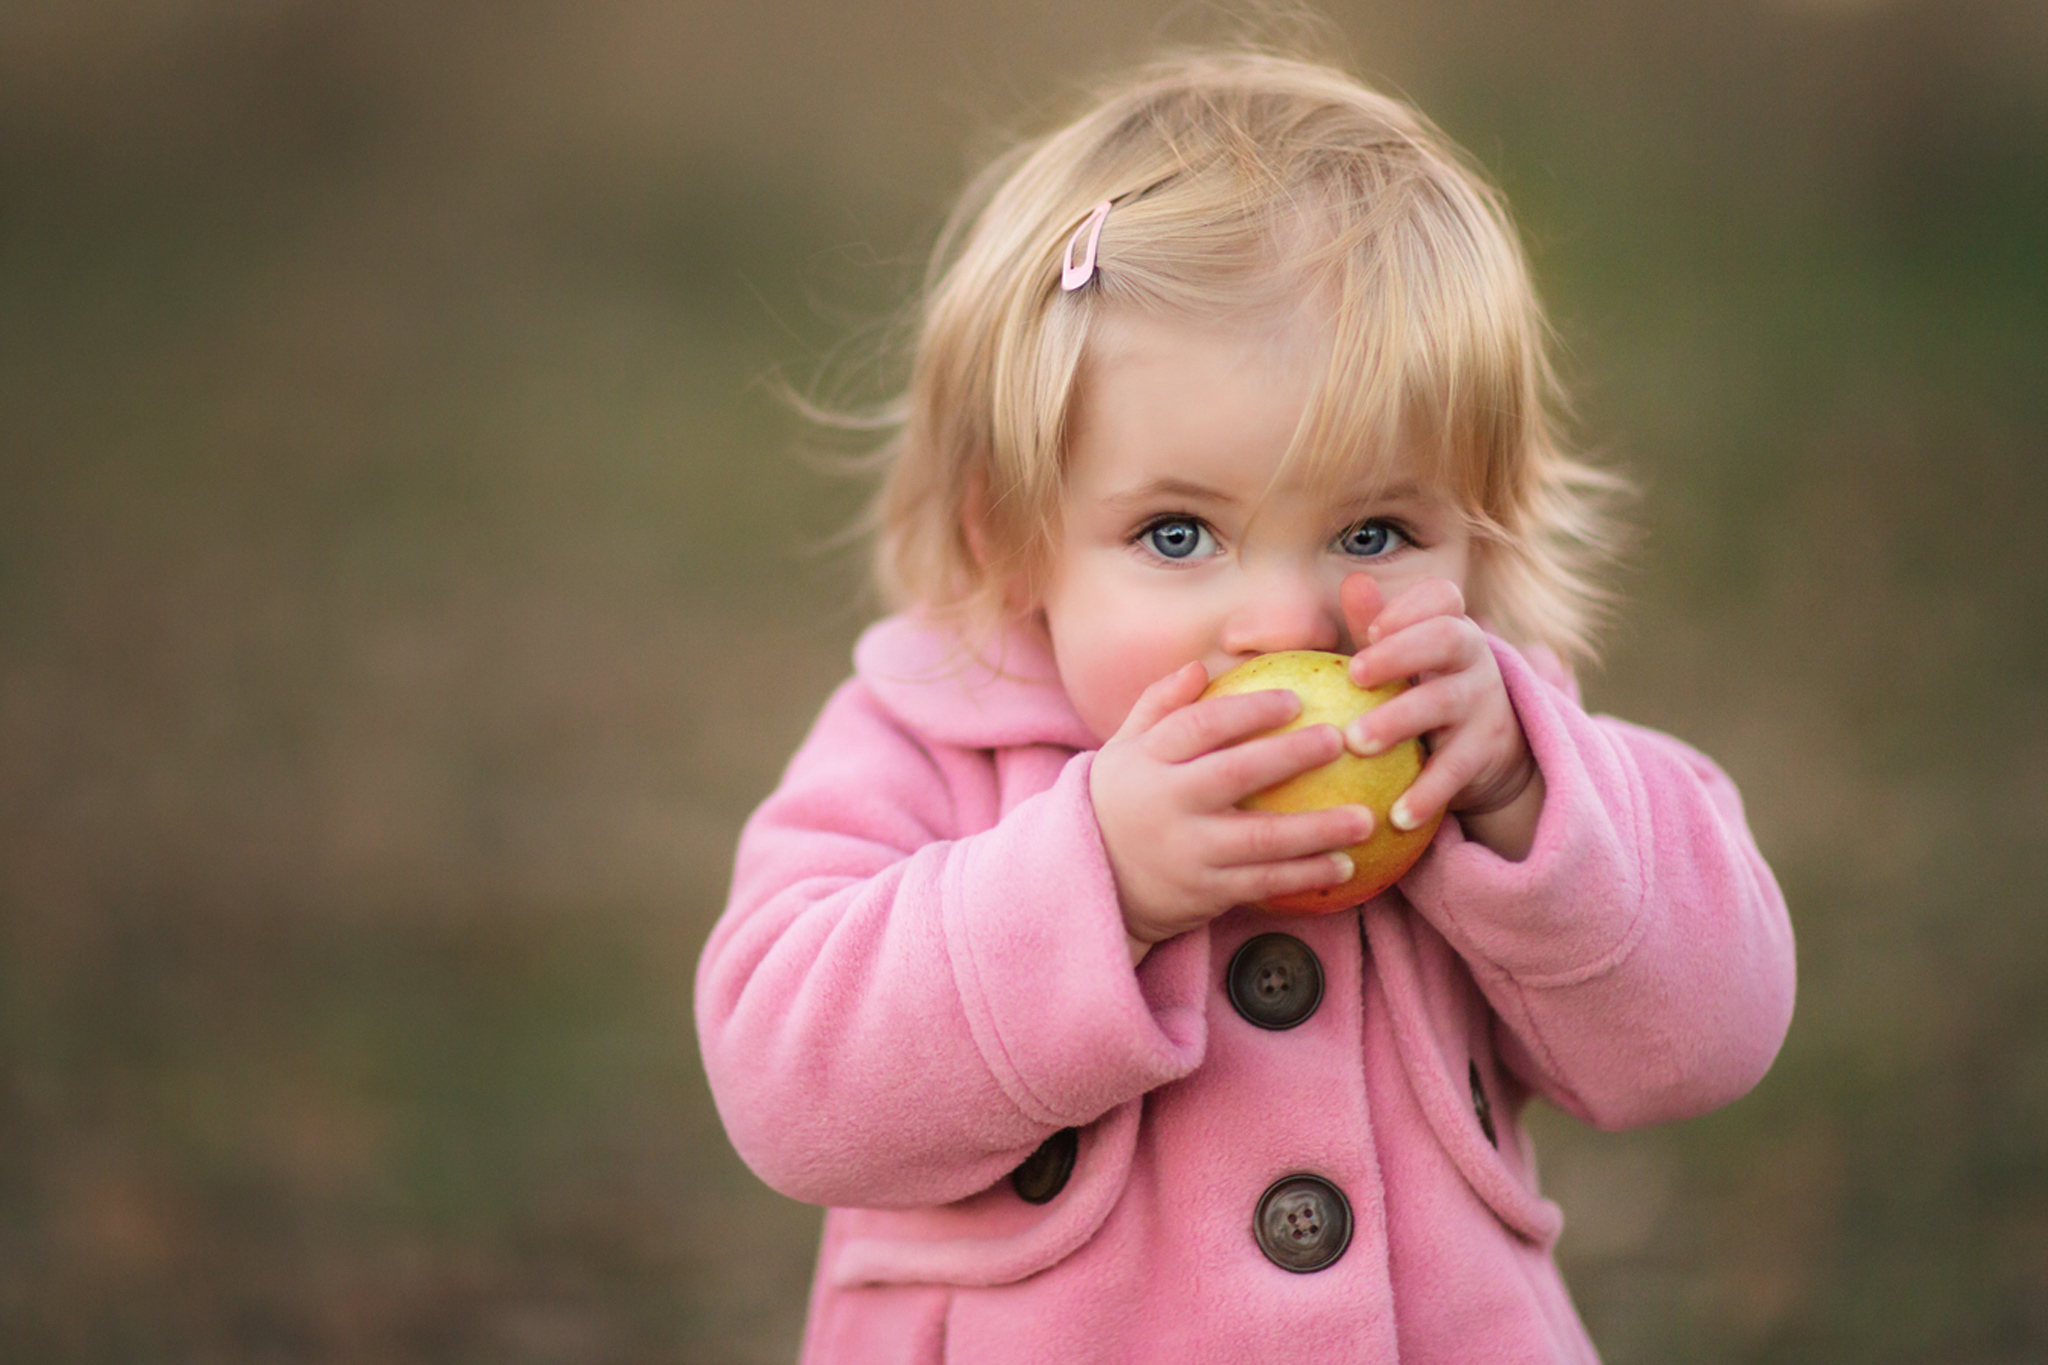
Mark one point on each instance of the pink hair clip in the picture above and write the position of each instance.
(1072, 275)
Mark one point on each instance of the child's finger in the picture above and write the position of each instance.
(1162, 698)
(1430, 598)
(1436, 644)
(1429, 706)
(1446, 774)
(1418, 602)
(1227, 776)
(1246, 837)
(1194, 730)
(1360, 599)
(1262, 881)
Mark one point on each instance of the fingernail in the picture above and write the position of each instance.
(1372, 635)
(1403, 818)
(1345, 867)
(1362, 744)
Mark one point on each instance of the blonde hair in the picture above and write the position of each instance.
(1243, 181)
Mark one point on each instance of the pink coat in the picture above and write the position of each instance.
(922, 975)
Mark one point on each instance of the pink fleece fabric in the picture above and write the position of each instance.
(921, 974)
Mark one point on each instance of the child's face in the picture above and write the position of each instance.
(1176, 544)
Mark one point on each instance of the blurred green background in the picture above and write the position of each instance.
(408, 584)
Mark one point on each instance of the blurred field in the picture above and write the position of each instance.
(407, 586)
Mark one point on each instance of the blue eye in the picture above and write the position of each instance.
(1177, 537)
(1370, 539)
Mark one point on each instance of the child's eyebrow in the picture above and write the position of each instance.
(1152, 490)
(1404, 490)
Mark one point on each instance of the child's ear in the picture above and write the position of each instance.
(1019, 598)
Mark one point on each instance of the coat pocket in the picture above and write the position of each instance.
(995, 1237)
(1440, 1029)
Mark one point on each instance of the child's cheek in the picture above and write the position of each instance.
(1128, 664)
(1102, 692)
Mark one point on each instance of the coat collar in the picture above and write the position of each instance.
(928, 677)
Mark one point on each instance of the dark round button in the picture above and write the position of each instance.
(1044, 1173)
(1303, 1223)
(1275, 980)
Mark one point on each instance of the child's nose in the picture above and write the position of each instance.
(1283, 610)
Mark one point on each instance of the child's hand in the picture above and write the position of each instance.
(1479, 765)
(1166, 786)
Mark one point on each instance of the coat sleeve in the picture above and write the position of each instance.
(1640, 957)
(894, 1010)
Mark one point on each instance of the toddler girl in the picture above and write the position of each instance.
(1245, 359)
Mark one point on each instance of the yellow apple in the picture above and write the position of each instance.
(1329, 697)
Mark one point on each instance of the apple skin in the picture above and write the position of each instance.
(1329, 697)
